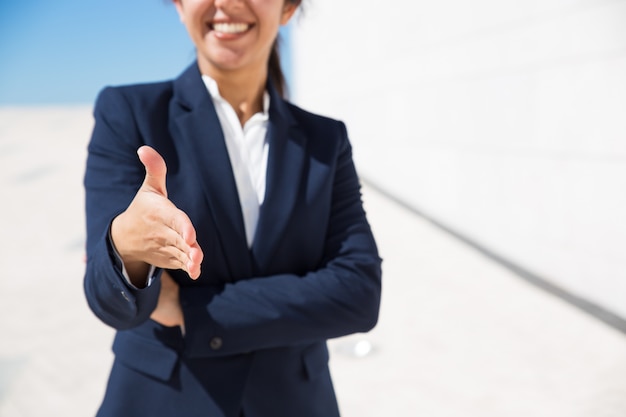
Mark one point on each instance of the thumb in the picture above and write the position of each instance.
(155, 169)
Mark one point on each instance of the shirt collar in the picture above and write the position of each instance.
(214, 91)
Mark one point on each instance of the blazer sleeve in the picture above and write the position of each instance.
(340, 298)
(112, 177)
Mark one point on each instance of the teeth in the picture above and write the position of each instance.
(230, 27)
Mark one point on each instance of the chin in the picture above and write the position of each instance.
(226, 60)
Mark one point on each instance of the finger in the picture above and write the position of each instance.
(156, 170)
(196, 254)
(170, 257)
(181, 223)
(195, 261)
(178, 255)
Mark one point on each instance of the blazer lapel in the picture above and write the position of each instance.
(287, 147)
(201, 137)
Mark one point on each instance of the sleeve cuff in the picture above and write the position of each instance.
(119, 263)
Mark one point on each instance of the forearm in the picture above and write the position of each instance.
(282, 310)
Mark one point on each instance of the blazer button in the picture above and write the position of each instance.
(216, 343)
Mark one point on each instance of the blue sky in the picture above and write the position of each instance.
(65, 51)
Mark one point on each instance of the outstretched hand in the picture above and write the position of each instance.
(152, 230)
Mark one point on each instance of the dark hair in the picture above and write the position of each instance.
(274, 69)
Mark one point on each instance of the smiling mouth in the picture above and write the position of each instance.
(230, 28)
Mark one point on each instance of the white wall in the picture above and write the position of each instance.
(503, 119)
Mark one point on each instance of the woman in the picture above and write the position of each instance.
(226, 236)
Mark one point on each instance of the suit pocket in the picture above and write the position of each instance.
(147, 356)
(315, 360)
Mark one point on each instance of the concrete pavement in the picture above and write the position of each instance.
(458, 334)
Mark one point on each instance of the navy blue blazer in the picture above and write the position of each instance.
(258, 318)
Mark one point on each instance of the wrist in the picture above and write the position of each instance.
(135, 270)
